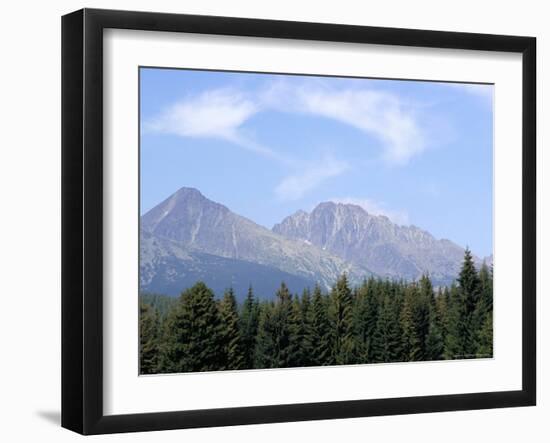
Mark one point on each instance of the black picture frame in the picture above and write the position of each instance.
(82, 218)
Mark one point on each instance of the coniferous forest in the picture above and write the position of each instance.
(377, 321)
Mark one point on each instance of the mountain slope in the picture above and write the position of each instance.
(388, 249)
(187, 235)
(166, 268)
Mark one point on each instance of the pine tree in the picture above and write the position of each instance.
(485, 348)
(463, 329)
(469, 283)
(387, 336)
(233, 352)
(435, 335)
(422, 319)
(192, 338)
(265, 354)
(372, 310)
(410, 346)
(305, 329)
(274, 338)
(485, 304)
(441, 307)
(320, 330)
(453, 343)
(149, 329)
(379, 321)
(282, 317)
(360, 316)
(249, 319)
(484, 312)
(297, 355)
(341, 319)
(470, 293)
(307, 317)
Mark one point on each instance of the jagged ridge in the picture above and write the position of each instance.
(373, 241)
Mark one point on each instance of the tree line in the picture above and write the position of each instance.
(377, 321)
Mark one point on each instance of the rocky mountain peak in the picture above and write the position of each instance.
(350, 232)
(185, 207)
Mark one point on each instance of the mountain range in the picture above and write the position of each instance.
(387, 249)
(188, 237)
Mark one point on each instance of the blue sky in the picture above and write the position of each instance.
(268, 145)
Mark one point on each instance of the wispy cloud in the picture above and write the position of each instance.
(295, 186)
(221, 113)
(218, 113)
(375, 113)
(375, 208)
(380, 114)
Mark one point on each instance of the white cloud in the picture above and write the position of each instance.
(375, 208)
(295, 186)
(221, 113)
(216, 113)
(377, 113)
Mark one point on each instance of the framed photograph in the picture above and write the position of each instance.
(269, 221)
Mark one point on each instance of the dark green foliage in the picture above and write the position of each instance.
(306, 318)
(301, 331)
(370, 317)
(275, 347)
(469, 283)
(387, 334)
(232, 347)
(453, 343)
(485, 348)
(441, 308)
(265, 351)
(297, 336)
(149, 325)
(284, 330)
(360, 324)
(340, 314)
(435, 344)
(484, 312)
(378, 321)
(464, 321)
(250, 317)
(320, 335)
(422, 321)
(192, 339)
(409, 343)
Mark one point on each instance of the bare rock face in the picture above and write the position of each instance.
(187, 226)
(374, 242)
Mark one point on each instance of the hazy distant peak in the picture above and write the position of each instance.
(189, 196)
(341, 206)
(184, 204)
(187, 191)
(327, 204)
